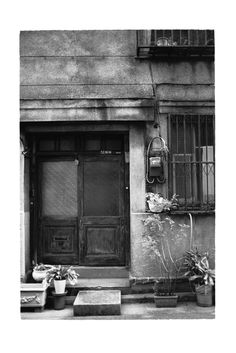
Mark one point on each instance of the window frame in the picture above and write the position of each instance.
(206, 201)
(192, 47)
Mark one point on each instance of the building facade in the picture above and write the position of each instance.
(90, 104)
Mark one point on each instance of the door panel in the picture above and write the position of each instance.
(102, 231)
(58, 241)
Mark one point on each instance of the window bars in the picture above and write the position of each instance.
(175, 42)
(191, 172)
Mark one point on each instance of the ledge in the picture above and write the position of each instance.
(183, 212)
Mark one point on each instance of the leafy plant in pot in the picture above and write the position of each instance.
(40, 271)
(161, 235)
(157, 203)
(200, 274)
(60, 275)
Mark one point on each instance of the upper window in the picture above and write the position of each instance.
(192, 160)
(175, 43)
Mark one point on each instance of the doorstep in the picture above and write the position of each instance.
(97, 302)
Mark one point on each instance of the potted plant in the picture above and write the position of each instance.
(59, 275)
(161, 235)
(199, 273)
(157, 203)
(40, 271)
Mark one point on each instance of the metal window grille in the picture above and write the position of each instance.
(159, 42)
(192, 161)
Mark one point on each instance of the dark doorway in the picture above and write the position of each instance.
(82, 200)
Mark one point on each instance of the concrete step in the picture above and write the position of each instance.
(149, 297)
(137, 298)
(101, 283)
(102, 272)
(97, 302)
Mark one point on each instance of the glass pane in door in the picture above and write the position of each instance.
(101, 187)
(59, 188)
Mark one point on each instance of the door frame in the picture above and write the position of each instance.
(35, 192)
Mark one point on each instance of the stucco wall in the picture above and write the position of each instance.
(94, 76)
(90, 65)
(203, 235)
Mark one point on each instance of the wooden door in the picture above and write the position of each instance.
(58, 211)
(102, 211)
(81, 214)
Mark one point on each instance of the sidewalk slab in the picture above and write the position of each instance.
(134, 311)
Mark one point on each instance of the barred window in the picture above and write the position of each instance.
(192, 160)
(175, 43)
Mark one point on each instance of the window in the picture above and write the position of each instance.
(175, 43)
(192, 161)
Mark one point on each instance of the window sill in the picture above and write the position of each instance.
(184, 212)
(174, 52)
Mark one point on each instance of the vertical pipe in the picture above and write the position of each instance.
(205, 32)
(155, 37)
(189, 43)
(137, 43)
(185, 188)
(213, 122)
(200, 159)
(170, 172)
(191, 164)
(207, 169)
(197, 37)
(191, 230)
(177, 133)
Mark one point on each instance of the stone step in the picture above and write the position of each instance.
(97, 302)
(101, 283)
(137, 298)
(102, 272)
(149, 297)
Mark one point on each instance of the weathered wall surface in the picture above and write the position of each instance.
(90, 65)
(142, 263)
(94, 76)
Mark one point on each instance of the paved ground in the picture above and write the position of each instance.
(144, 311)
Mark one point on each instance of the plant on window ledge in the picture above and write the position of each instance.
(157, 203)
(160, 236)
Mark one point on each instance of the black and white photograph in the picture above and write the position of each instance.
(117, 134)
(117, 175)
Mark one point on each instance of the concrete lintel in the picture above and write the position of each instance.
(83, 114)
(84, 103)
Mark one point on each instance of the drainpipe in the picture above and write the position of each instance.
(191, 230)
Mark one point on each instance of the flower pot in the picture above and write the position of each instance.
(155, 207)
(204, 295)
(33, 295)
(39, 276)
(59, 300)
(60, 286)
(166, 301)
